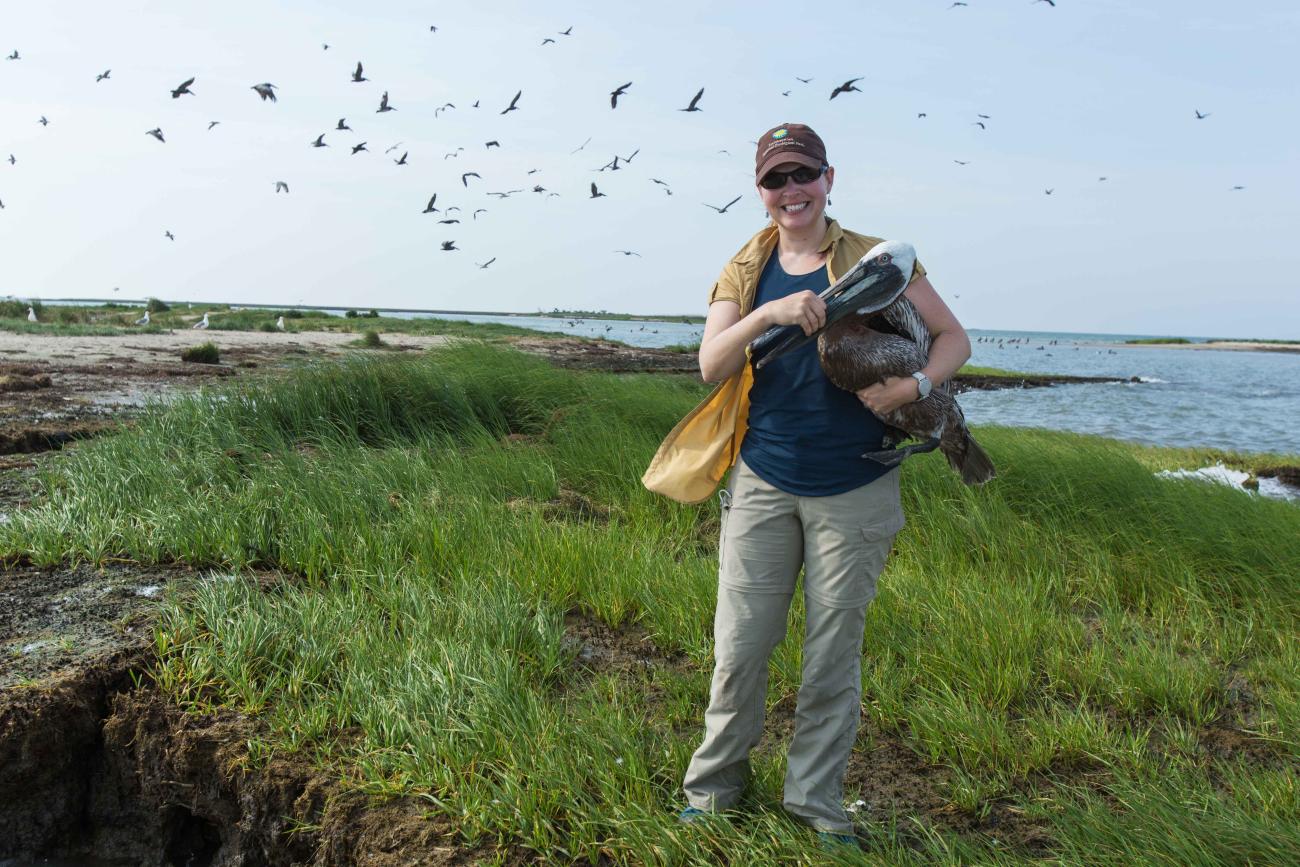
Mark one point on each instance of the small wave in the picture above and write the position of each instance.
(1151, 379)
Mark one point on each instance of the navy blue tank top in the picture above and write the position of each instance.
(806, 435)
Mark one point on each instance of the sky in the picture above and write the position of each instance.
(1073, 93)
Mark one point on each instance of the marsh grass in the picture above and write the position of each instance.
(1073, 642)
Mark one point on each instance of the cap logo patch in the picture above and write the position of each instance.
(780, 133)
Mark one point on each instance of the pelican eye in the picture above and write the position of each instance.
(884, 259)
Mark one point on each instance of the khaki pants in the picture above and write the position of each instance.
(842, 542)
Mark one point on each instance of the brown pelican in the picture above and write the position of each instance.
(873, 332)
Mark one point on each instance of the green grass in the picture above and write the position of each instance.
(1065, 643)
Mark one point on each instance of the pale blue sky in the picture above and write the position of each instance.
(1083, 90)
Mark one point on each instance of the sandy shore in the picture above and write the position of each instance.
(1231, 345)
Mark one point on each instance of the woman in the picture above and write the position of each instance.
(799, 494)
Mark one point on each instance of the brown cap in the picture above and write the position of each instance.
(789, 143)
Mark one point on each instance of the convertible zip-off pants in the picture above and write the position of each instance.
(842, 542)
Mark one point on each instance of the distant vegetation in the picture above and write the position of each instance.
(1158, 340)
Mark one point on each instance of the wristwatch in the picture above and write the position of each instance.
(922, 384)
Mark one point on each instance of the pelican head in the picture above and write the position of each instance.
(872, 284)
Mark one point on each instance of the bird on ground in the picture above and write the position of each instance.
(723, 209)
(846, 87)
(616, 93)
(359, 147)
(548, 39)
(103, 75)
(169, 235)
(156, 132)
(402, 161)
(279, 323)
(43, 121)
(513, 103)
(492, 144)
(184, 88)
(477, 212)
(594, 193)
(464, 178)
(31, 312)
(320, 141)
(629, 253)
(356, 74)
(383, 103)
(695, 99)
(143, 320)
(429, 208)
(1200, 116)
(449, 245)
(281, 187)
(488, 262)
(201, 324)
(873, 333)
(212, 123)
(266, 90)
(343, 124)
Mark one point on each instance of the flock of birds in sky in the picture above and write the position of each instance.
(452, 215)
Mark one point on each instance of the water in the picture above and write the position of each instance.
(1241, 401)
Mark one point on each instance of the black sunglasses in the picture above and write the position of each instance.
(775, 180)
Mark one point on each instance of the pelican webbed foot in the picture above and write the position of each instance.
(893, 457)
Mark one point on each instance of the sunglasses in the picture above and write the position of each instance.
(775, 180)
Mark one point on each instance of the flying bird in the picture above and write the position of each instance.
(846, 87)
(103, 75)
(616, 93)
(962, 162)
(492, 144)
(956, 4)
(629, 253)
(548, 39)
(979, 123)
(429, 208)
(476, 213)
(594, 193)
(359, 147)
(1239, 187)
(449, 245)
(488, 262)
(169, 235)
(723, 209)
(156, 132)
(281, 187)
(343, 124)
(402, 161)
(383, 103)
(464, 178)
(43, 121)
(695, 99)
(804, 80)
(14, 56)
(449, 221)
(1051, 3)
(320, 141)
(184, 88)
(628, 159)
(1049, 191)
(447, 105)
(266, 90)
(356, 74)
(212, 123)
(1200, 116)
(568, 32)
(12, 160)
(785, 93)
(512, 106)
(581, 146)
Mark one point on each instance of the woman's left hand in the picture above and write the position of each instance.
(885, 397)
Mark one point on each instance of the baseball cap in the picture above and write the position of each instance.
(789, 143)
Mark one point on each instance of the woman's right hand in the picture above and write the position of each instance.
(805, 309)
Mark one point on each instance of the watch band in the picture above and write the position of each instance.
(923, 385)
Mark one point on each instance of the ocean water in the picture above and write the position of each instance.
(1242, 401)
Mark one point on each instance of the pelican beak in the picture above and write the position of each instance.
(872, 284)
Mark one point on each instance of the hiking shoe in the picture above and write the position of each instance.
(832, 842)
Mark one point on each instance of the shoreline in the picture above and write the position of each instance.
(1227, 345)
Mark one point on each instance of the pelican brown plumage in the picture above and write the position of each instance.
(873, 332)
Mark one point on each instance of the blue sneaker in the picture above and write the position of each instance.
(691, 814)
(832, 842)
